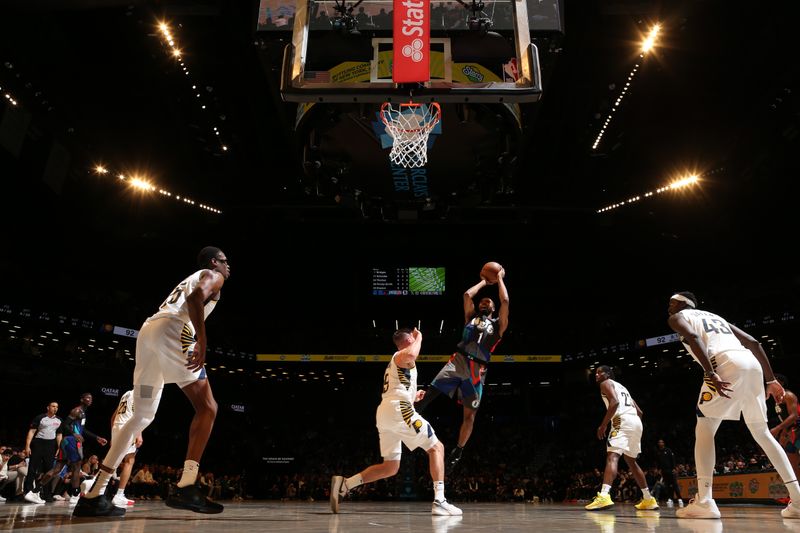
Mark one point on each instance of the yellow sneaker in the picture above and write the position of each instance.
(601, 501)
(648, 504)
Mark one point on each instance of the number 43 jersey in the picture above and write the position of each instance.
(714, 331)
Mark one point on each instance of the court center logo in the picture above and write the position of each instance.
(414, 50)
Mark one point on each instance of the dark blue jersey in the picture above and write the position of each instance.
(480, 337)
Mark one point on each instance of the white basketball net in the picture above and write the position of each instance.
(409, 126)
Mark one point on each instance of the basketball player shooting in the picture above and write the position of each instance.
(463, 376)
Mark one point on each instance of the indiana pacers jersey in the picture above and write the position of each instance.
(480, 337)
(714, 331)
(175, 306)
(124, 410)
(626, 405)
(399, 384)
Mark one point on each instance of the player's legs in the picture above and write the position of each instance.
(777, 456)
(446, 381)
(610, 472)
(794, 460)
(467, 424)
(636, 470)
(648, 502)
(125, 471)
(75, 480)
(379, 471)
(146, 398)
(603, 499)
(205, 412)
(440, 504)
(705, 455)
(436, 461)
(431, 393)
(187, 495)
(120, 500)
(52, 473)
(391, 450)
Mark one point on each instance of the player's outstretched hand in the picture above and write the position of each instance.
(197, 357)
(601, 432)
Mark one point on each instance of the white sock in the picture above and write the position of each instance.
(190, 470)
(353, 482)
(777, 456)
(99, 486)
(646, 493)
(606, 489)
(438, 490)
(705, 455)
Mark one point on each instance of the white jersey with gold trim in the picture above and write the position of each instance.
(175, 306)
(714, 331)
(399, 384)
(626, 404)
(124, 410)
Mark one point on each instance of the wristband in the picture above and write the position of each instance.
(771, 382)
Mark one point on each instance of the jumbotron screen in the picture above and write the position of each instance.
(408, 281)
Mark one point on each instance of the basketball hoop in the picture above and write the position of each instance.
(409, 125)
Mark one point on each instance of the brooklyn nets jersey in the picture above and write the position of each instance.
(714, 331)
(399, 384)
(480, 337)
(175, 306)
(626, 405)
(124, 410)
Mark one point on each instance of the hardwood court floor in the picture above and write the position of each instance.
(272, 516)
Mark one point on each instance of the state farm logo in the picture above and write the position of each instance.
(415, 17)
(414, 50)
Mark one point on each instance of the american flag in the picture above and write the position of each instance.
(317, 76)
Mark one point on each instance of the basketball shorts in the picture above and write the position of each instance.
(115, 431)
(71, 451)
(625, 436)
(462, 379)
(743, 371)
(790, 444)
(398, 423)
(162, 352)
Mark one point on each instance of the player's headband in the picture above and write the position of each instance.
(682, 298)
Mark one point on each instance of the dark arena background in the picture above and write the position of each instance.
(655, 152)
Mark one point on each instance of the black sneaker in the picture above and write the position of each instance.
(99, 506)
(191, 499)
(454, 458)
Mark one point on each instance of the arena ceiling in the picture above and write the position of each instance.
(716, 98)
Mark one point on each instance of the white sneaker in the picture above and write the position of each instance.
(680, 502)
(791, 511)
(120, 500)
(443, 507)
(338, 491)
(74, 499)
(2, 499)
(695, 509)
(669, 502)
(58, 497)
(32, 497)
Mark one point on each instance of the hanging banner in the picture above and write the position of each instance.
(412, 41)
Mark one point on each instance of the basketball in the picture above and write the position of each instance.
(491, 271)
